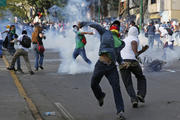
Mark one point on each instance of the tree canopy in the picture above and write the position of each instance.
(21, 8)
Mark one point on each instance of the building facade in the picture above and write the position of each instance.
(164, 10)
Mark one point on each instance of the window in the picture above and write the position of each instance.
(153, 1)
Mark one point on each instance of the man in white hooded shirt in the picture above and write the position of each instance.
(130, 65)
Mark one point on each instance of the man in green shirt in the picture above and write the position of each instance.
(80, 44)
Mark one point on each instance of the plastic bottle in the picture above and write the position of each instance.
(50, 113)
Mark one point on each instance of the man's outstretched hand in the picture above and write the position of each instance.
(144, 48)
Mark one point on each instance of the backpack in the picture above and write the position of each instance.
(5, 42)
(26, 41)
(84, 40)
(170, 32)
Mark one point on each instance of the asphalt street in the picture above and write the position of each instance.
(70, 96)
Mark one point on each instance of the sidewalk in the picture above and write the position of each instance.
(12, 105)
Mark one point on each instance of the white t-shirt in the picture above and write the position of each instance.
(20, 46)
(127, 51)
(167, 38)
(157, 28)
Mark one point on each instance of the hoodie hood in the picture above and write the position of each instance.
(133, 31)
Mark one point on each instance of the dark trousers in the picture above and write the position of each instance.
(82, 53)
(111, 73)
(134, 68)
(1, 43)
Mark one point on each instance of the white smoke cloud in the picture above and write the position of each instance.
(157, 53)
(75, 10)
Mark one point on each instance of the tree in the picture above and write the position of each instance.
(21, 8)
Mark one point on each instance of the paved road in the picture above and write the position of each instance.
(12, 105)
(73, 92)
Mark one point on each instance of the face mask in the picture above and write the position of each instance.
(75, 29)
(13, 31)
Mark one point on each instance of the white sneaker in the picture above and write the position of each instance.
(120, 116)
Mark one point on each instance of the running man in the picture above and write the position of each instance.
(106, 66)
(80, 44)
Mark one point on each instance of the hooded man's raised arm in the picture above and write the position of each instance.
(96, 26)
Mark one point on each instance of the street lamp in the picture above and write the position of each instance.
(141, 14)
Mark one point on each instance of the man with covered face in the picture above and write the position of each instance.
(80, 44)
(130, 65)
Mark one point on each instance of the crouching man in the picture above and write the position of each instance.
(25, 44)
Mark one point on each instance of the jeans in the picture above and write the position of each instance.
(18, 53)
(135, 68)
(157, 38)
(82, 53)
(111, 73)
(151, 40)
(39, 57)
(171, 47)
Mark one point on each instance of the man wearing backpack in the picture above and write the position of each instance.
(80, 44)
(25, 44)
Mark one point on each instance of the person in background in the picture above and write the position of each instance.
(118, 43)
(157, 35)
(1, 43)
(11, 36)
(37, 37)
(151, 33)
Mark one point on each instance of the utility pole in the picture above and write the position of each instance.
(119, 8)
(141, 14)
(99, 11)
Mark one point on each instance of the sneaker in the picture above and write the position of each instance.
(135, 104)
(120, 116)
(11, 68)
(20, 70)
(140, 98)
(41, 67)
(31, 73)
(36, 69)
(101, 100)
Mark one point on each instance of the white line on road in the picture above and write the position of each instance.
(49, 60)
(65, 113)
(169, 70)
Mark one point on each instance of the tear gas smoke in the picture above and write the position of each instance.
(157, 53)
(76, 11)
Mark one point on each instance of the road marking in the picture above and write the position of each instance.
(22, 92)
(50, 60)
(169, 70)
(65, 113)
